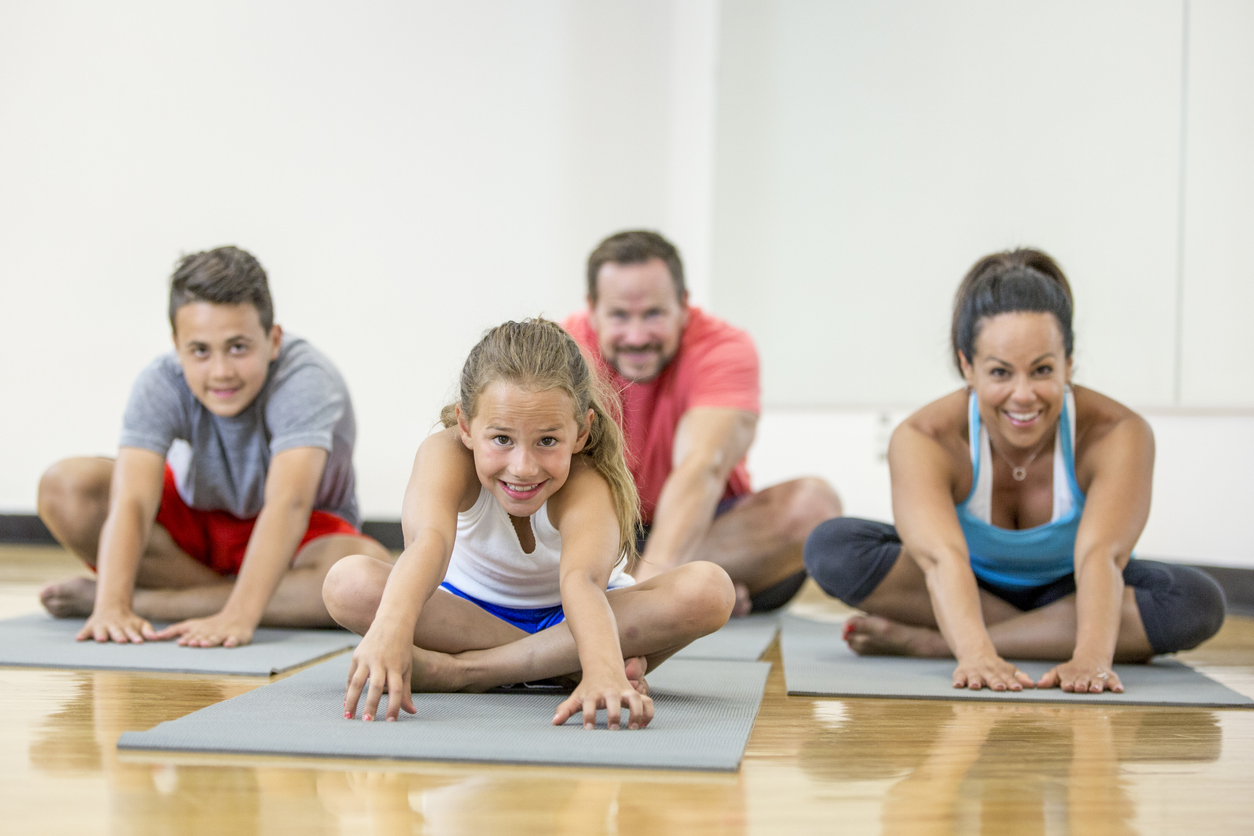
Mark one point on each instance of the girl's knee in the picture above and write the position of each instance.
(349, 588)
(703, 593)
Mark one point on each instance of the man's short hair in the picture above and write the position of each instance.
(223, 276)
(635, 246)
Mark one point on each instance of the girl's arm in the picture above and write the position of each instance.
(583, 513)
(1116, 507)
(443, 481)
(922, 475)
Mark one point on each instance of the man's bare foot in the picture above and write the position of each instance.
(743, 603)
(74, 598)
(635, 668)
(872, 635)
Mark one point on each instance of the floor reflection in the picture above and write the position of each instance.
(971, 767)
(79, 737)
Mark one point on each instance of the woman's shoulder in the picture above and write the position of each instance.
(1098, 416)
(943, 420)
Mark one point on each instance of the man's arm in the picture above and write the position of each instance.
(709, 443)
(291, 486)
(134, 496)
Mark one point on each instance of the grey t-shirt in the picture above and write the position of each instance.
(220, 464)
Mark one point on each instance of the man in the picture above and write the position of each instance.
(690, 393)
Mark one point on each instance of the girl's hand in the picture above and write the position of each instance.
(1081, 676)
(611, 693)
(381, 662)
(991, 672)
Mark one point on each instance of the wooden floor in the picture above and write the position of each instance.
(812, 765)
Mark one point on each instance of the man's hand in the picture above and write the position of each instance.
(220, 629)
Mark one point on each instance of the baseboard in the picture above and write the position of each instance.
(1237, 583)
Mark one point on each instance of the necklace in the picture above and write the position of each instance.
(1020, 472)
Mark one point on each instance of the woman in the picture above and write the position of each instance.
(1018, 502)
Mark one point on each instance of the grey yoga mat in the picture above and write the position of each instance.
(745, 639)
(41, 641)
(818, 662)
(704, 713)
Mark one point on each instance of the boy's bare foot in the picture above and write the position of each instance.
(635, 668)
(74, 598)
(872, 635)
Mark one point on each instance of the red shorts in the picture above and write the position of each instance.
(218, 539)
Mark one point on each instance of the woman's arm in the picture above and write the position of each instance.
(923, 475)
(442, 481)
(1119, 470)
(584, 515)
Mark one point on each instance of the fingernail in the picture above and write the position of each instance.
(634, 726)
(366, 717)
(348, 715)
(391, 719)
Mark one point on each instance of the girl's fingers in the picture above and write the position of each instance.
(590, 713)
(613, 710)
(566, 710)
(373, 695)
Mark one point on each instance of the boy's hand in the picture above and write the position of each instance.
(220, 629)
(383, 662)
(119, 625)
(611, 693)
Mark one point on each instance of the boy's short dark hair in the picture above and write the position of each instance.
(635, 246)
(223, 276)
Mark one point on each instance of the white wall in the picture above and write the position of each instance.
(408, 173)
(413, 172)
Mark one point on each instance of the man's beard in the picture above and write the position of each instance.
(656, 348)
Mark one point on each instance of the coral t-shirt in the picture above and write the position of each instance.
(716, 366)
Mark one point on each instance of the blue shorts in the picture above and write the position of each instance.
(530, 620)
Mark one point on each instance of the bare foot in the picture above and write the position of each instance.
(436, 673)
(872, 635)
(74, 598)
(743, 603)
(635, 668)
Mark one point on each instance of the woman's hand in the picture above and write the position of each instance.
(611, 693)
(1082, 676)
(992, 672)
(383, 661)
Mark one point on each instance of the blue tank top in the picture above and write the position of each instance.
(1022, 558)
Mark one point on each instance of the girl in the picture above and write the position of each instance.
(1018, 502)
(518, 517)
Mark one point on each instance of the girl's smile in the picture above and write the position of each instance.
(523, 441)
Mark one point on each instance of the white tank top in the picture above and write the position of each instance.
(488, 561)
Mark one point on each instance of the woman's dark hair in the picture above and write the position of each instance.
(1016, 280)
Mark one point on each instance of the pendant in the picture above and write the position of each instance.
(1019, 473)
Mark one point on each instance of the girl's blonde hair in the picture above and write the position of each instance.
(538, 355)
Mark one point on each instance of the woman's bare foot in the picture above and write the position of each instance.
(74, 598)
(873, 635)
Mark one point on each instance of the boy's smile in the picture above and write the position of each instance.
(225, 354)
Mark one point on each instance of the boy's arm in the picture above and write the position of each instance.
(134, 496)
(291, 486)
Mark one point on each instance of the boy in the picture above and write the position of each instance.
(235, 460)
